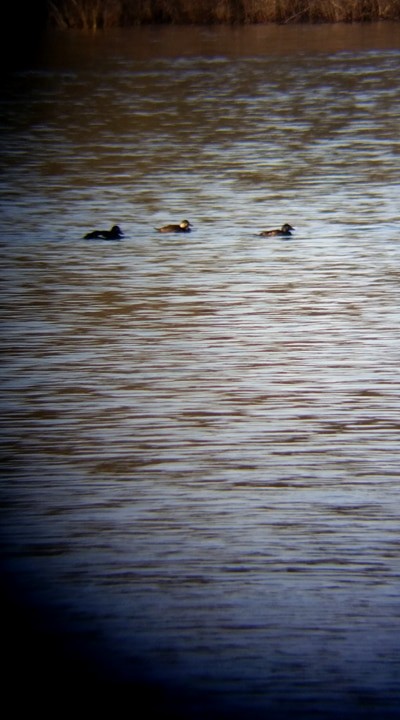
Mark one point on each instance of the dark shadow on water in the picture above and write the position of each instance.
(48, 668)
(53, 669)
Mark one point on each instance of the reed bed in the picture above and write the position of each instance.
(96, 14)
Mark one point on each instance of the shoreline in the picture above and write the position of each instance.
(105, 14)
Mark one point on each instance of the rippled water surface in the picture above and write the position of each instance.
(201, 431)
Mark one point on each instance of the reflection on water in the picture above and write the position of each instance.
(200, 432)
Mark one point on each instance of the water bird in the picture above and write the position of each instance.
(285, 230)
(183, 226)
(114, 234)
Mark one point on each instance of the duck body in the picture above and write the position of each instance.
(284, 231)
(183, 226)
(114, 234)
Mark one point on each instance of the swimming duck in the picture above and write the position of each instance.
(286, 230)
(183, 226)
(114, 234)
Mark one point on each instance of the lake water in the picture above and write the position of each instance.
(201, 432)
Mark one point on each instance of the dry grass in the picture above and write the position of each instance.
(85, 14)
(95, 14)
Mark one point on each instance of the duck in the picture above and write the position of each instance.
(114, 234)
(285, 230)
(183, 226)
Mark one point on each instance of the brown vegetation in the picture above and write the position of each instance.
(94, 14)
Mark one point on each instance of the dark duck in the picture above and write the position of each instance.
(114, 234)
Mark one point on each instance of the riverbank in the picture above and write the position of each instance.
(101, 14)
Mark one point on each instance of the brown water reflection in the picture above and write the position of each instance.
(149, 43)
(201, 433)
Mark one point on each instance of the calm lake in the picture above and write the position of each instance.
(201, 432)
